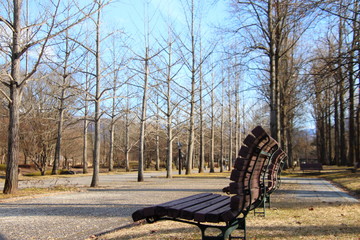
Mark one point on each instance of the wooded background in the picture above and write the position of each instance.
(74, 93)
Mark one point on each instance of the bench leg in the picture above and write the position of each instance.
(239, 223)
(226, 231)
(265, 203)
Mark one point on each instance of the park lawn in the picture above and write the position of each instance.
(323, 222)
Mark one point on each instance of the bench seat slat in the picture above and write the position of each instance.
(153, 211)
(200, 216)
(174, 211)
(188, 213)
(161, 210)
(215, 216)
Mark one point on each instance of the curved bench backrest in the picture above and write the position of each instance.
(248, 169)
(272, 170)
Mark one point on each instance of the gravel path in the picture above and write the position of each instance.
(78, 215)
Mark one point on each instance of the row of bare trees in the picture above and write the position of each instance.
(335, 85)
(292, 72)
(72, 88)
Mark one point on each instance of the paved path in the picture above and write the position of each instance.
(79, 215)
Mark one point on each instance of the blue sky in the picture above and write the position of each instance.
(129, 15)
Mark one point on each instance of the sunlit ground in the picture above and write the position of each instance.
(287, 219)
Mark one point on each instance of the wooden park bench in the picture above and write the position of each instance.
(272, 177)
(311, 166)
(246, 192)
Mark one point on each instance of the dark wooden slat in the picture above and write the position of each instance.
(138, 215)
(229, 215)
(161, 209)
(237, 187)
(244, 151)
(249, 140)
(237, 175)
(174, 211)
(188, 213)
(200, 216)
(215, 215)
(258, 132)
(237, 202)
(241, 163)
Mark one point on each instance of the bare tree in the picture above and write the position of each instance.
(193, 61)
(267, 24)
(65, 66)
(52, 25)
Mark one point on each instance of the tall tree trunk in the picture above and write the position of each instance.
(59, 134)
(222, 155)
(143, 119)
(157, 137)
(12, 165)
(169, 116)
(212, 149)
(352, 130)
(336, 131)
(273, 84)
(170, 149)
(202, 142)
(111, 147)
(112, 123)
(85, 142)
(191, 138)
(342, 145)
(230, 130)
(329, 133)
(97, 139)
(237, 114)
(127, 137)
(86, 123)
(357, 35)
